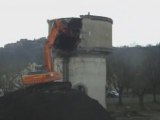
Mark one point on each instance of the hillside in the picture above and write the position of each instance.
(15, 59)
(16, 56)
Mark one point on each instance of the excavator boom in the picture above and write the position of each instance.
(49, 74)
(48, 59)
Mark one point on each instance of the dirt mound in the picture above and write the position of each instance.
(49, 103)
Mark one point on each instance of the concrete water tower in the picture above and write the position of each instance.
(86, 68)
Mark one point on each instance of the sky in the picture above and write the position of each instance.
(135, 22)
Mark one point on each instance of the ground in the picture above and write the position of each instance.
(131, 111)
(52, 101)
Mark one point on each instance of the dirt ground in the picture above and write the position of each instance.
(131, 111)
(140, 116)
(47, 102)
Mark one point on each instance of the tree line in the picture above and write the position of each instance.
(135, 69)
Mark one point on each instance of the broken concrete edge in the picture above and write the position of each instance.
(94, 51)
(84, 52)
(92, 17)
(66, 19)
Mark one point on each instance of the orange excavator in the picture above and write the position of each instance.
(48, 74)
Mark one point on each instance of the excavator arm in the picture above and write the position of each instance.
(48, 59)
(49, 74)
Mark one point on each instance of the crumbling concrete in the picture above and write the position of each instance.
(86, 33)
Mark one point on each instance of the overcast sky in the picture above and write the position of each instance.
(135, 21)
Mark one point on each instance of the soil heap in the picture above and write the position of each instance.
(49, 102)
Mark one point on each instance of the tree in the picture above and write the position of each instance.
(153, 69)
(119, 70)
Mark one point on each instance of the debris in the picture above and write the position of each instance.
(68, 42)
